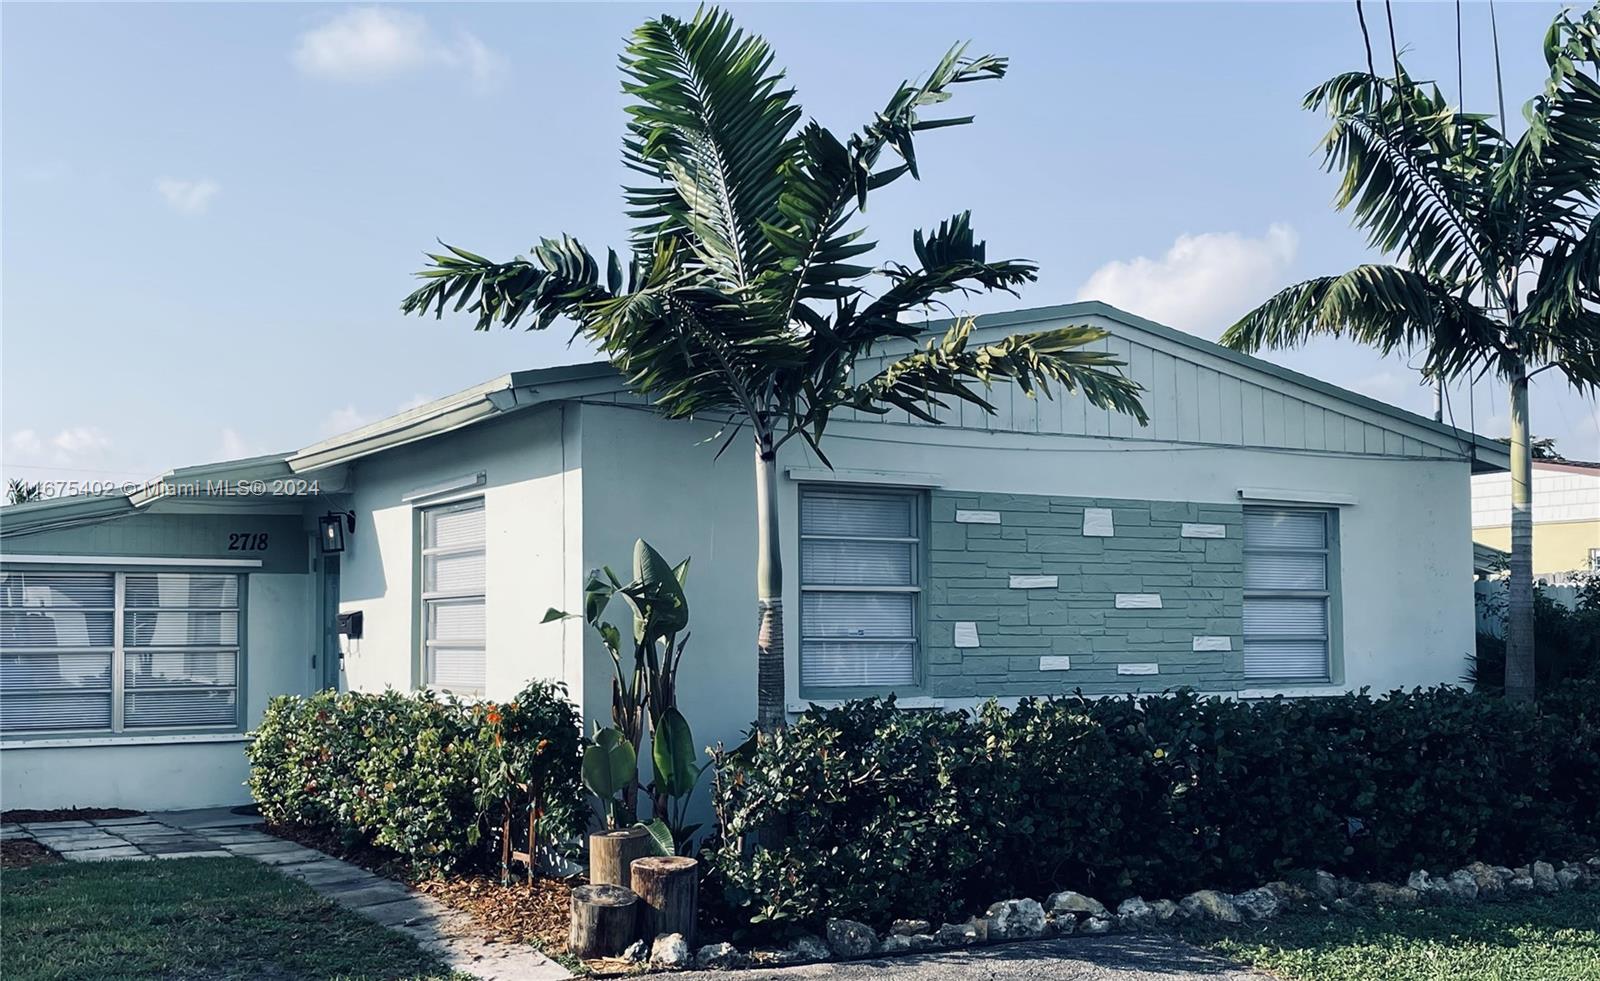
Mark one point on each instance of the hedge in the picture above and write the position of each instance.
(887, 812)
(422, 775)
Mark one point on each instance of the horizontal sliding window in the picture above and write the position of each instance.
(118, 651)
(1287, 595)
(859, 561)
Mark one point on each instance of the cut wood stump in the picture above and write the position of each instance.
(611, 853)
(605, 920)
(669, 891)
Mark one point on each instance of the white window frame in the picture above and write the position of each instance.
(1329, 595)
(120, 648)
(429, 600)
(919, 544)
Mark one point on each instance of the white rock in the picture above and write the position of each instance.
(669, 952)
(956, 934)
(1544, 877)
(1208, 904)
(895, 943)
(1257, 904)
(719, 957)
(1095, 924)
(809, 948)
(1016, 919)
(907, 928)
(1068, 901)
(637, 951)
(847, 938)
(1463, 885)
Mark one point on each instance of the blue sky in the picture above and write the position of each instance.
(211, 211)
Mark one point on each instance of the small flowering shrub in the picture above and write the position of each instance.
(422, 775)
(884, 812)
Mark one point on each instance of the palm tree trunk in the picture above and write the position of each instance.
(769, 592)
(1519, 626)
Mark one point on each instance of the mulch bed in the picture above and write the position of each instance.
(20, 853)
(21, 814)
(503, 914)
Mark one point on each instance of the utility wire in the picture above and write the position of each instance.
(1366, 39)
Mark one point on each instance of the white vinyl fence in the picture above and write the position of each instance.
(1491, 602)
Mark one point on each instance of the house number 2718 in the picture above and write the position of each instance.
(250, 541)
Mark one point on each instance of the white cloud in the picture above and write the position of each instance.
(343, 420)
(234, 446)
(373, 43)
(79, 441)
(26, 441)
(1202, 283)
(188, 197)
(413, 402)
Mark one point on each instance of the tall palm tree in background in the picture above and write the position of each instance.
(745, 296)
(1499, 256)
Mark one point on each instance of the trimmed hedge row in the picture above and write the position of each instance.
(422, 775)
(888, 812)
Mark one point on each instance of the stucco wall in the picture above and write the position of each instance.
(527, 552)
(1405, 545)
(167, 772)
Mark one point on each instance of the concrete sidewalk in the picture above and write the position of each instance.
(1133, 957)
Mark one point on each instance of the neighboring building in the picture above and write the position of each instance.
(1566, 516)
(1266, 533)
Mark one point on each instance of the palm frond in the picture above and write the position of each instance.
(559, 279)
(1382, 306)
(1415, 172)
(712, 128)
(947, 368)
(1550, 181)
(827, 181)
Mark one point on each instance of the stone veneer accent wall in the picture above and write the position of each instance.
(1148, 597)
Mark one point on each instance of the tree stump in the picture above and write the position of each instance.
(669, 888)
(605, 920)
(611, 853)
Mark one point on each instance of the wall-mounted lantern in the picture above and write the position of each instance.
(332, 529)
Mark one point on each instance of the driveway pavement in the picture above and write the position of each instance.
(1112, 958)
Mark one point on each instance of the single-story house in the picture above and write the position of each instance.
(1265, 533)
(1566, 516)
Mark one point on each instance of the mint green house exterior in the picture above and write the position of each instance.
(1266, 534)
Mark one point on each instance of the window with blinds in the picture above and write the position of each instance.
(453, 577)
(118, 651)
(860, 561)
(1287, 594)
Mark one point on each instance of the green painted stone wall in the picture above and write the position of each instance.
(1151, 552)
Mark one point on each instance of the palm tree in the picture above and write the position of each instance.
(745, 297)
(1499, 256)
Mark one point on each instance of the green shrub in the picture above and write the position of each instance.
(887, 812)
(1566, 641)
(420, 775)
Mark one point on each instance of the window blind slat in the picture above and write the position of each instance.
(456, 621)
(20, 672)
(149, 591)
(858, 615)
(1285, 659)
(55, 627)
(164, 669)
(454, 526)
(25, 712)
(1273, 528)
(1286, 616)
(460, 573)
(1286, 570)
(197, 707)
(57, 589)
(834, 665)
(460, 670)
(843, 513)
(840, 563)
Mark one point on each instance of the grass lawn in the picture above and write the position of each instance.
(1553, 939)
(190, 918)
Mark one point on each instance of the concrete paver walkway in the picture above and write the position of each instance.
(219, 833)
